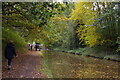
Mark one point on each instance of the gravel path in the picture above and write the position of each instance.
(24, 66)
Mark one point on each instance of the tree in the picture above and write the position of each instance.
(100, 21)
(28, 18)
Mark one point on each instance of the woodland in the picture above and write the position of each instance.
(82, 27)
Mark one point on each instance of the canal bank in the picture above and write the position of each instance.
(107, 55)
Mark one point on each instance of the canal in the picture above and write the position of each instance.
(66, 65)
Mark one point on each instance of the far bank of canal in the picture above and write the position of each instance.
(65, 65)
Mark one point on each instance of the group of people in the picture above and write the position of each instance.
(35, 46)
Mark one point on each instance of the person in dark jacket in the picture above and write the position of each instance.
(10, 53)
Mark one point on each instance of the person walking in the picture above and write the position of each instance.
(36, 47)
(31, 47)
(10, 53)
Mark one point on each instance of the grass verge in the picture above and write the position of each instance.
(44, 67)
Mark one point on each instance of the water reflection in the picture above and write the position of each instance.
(65, 65)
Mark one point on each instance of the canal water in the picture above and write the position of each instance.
(66, 65)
